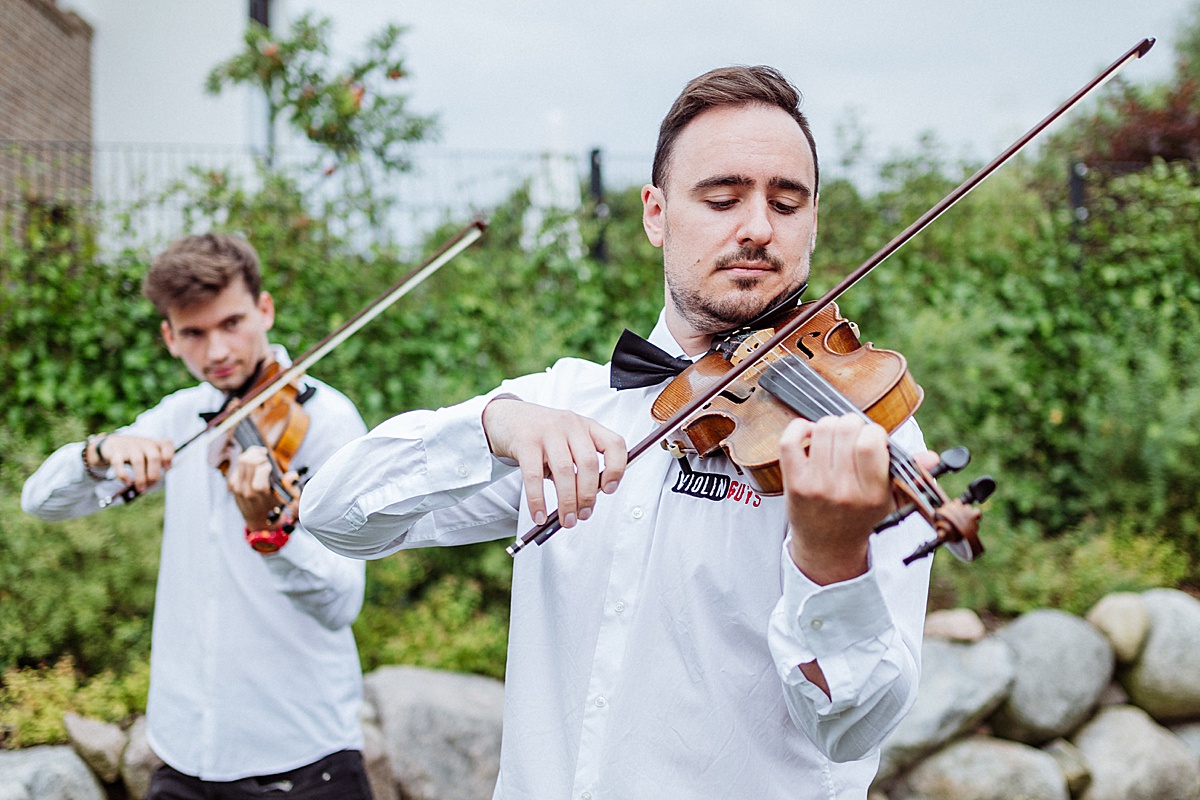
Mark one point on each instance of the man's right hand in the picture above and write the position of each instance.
(138, 461)
(551, 444)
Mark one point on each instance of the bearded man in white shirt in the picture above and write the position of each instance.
(255, 684)
(671, 642)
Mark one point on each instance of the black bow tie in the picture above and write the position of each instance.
(637, 363)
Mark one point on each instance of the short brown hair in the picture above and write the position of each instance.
(728, 86)
(195, 269)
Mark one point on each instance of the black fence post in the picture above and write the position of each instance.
(599, 207)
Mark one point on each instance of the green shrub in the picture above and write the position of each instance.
(1022, 570)
(82, 589)
(33, 700)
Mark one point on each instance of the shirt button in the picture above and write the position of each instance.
(585, 796)
(637, 512)
(462, 470)
(601, 702)
(620, 606)
(816, 624)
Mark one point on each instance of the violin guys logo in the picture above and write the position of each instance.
(713, 486)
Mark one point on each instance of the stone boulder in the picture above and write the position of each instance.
(47, 773)
(960, 685)
(954, 625)
(1189, 734)
(441, 730)
(375, 757)
(983, 768)
(1134, 758)
(1165, 680)
(138, 762)
(99, 744)
(1122, 617)
(1063, 667)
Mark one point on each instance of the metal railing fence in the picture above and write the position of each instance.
(110, 180)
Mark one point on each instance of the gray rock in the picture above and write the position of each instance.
(1165, 680)
(983, 768)
(99, 744)
(955, 625)
(1134, 758)
(1073, 765)
(442, 731)
(960, 685)
(138, 762)
(1122, 617)
(1189, 734)
(379, 767)
(1114, 695)
(1063, 667)
(47, 773)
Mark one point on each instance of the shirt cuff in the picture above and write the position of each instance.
(469, 461)
(302, 551)
(821, 623)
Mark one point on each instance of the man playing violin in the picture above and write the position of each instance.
(683, 636)
(255, 684)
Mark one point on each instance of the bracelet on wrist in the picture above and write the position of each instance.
(267, 541)
(270, 540)
(95, 441)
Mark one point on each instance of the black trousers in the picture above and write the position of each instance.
(340, 776)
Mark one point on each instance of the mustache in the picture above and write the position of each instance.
(749, 254)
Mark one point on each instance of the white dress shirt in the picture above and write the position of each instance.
(654, 648)
(253, 668)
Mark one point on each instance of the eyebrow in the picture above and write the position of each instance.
(743, 181)
(195, 329)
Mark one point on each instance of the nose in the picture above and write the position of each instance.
(755, 227)
(218, 347)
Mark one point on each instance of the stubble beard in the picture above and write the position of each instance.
(710, 315)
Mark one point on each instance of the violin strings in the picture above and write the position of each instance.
(836, 402)
(247, 435)
(830, 401)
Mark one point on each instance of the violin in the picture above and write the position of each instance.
(726, 376)
(279, 426)
(820, 369)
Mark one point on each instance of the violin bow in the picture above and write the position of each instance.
(231, 417)
(541, 533)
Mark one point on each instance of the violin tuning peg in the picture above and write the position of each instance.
(894, 518)
(922, 551)
(952, 460)
(979, 490)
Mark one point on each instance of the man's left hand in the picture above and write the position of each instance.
(249, 480)
(836, 482)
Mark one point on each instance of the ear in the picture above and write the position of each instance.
(812, 237)
(654, 207)
(266, 307)
(168, 336)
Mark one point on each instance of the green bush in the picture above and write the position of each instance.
(33, 700)
(82, 589)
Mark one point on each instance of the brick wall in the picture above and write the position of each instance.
(45, 102)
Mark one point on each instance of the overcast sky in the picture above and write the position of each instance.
(978, 74)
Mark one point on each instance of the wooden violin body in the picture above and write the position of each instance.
(745, 421)
(819, 369)
(279, 424)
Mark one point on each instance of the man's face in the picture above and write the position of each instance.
(737, 218)
(222, 340)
